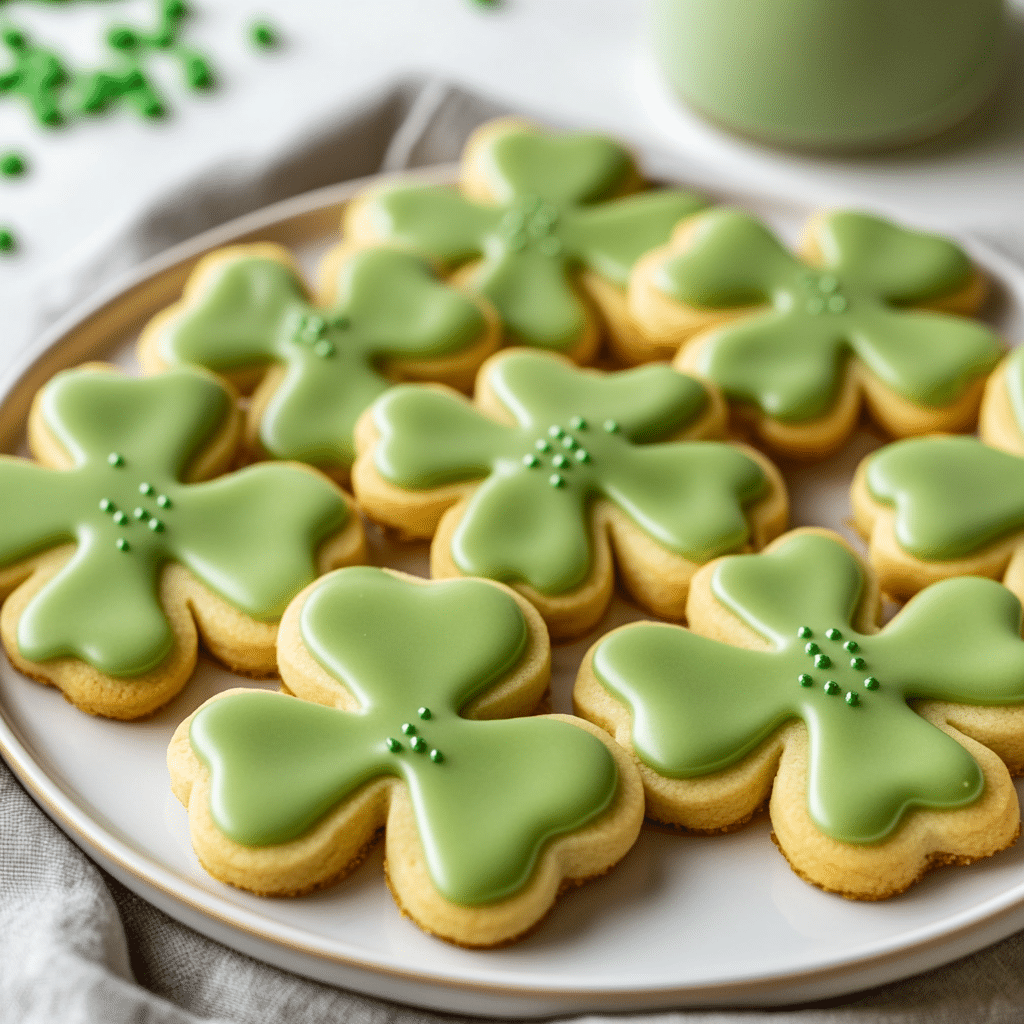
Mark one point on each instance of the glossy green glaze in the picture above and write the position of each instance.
(789, 359)
(485, 806)
(250, 536)
(699, 705)
(952, 495)
(553, 214)
(528, 521)
(254, 310)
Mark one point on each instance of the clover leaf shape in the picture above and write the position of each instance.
(403, 724)
(545, 226)
(118, 542)
(882, 749)
(556, 465)
(939, 507)
(796, 343)
(386, 316)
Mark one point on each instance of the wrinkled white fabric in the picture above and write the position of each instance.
(76, 947)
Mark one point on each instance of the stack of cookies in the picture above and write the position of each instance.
(563, 379)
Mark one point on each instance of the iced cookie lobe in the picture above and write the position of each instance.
(801, 650)
(117, 487)
(246, 309)
(536, 211)
(393, 697)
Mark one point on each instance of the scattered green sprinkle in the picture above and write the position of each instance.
(163, 501)
(115, 459)
(436, 756)
(542, 445)
(120, 518)
(578, 423)
(555, 480)
(832, 687)
(409, 729)
(611, 426)
(263, 35)
(141, 513)
(12, 165)
(419, 744)
(805, 632)
(852, 646)
(833, 634)
(812, 648)
(555, 431)
(424, 713)
(822, 661)
(145, 488)
(560, 462)
(393, 745)
(805, 680)
(853, 699)
(156, 525)
(871, 683)
(122, 544)
(857, 662)
(582, 455)
(106, 505)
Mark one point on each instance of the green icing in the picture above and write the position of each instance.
(485, 806)
(552, 216)
(699, 705)
(789, 359)
(254, 310)
(527, 522)
(250, 536)
(952, 495)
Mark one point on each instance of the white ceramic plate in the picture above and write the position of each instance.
(682, 921)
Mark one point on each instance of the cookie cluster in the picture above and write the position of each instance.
(442, 370)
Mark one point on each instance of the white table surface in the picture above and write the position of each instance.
(578, 62)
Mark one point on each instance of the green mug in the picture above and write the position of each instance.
(832, 74)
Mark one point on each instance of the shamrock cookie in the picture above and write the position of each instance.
(547, 227)
(883, 750)
(406, 689)
(246, 314)
(798, 345)
(939, 507)
(117, 554)
(556, 467)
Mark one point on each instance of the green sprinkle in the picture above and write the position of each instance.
(263, 35)
(560, 462)
(122, 38)
(805, 679)
(436, 756)
(7, 240)
(409, 729)
(120, 518)
(578, 423)
(832, 687)
(145, 488)
(424, 713)
(833, 634)
(569, 441)
(857, 663)
(582, 455)
(418, 743)
(198, 72)
(555, 480)
(163, 501)
(805, 632)
(324, 349)
(871, 683)
(156, 525)
(827, 283)
(122, 544)
(393, 745)
(106, 504)
(531, 461)
(115, 459)
(542, 445)
(611, 426)
(12, 165)
(812, 648)
(822, 661)
(140, 513)
(853, 699)
(555, 431)
(851, 646)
